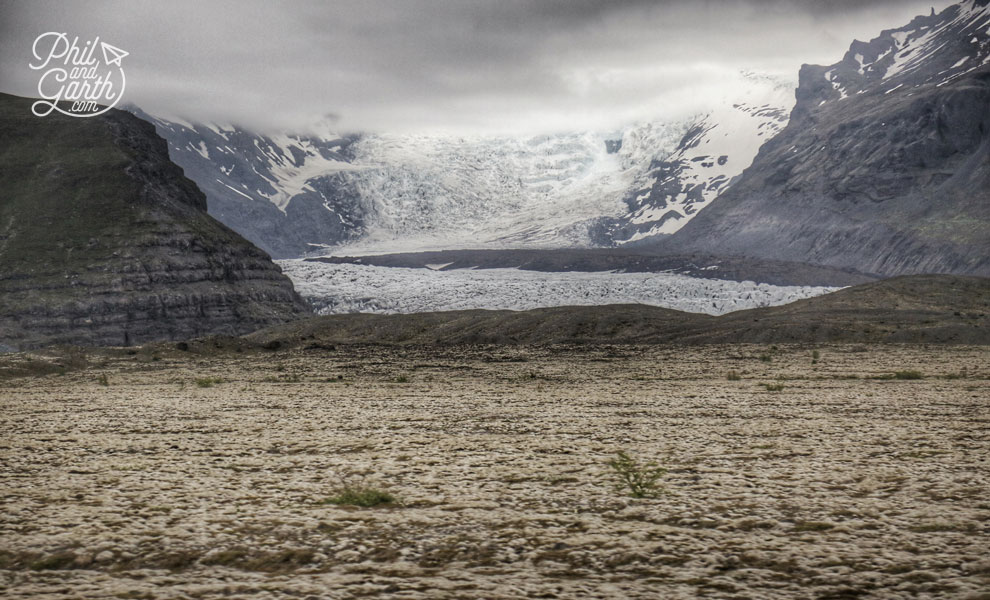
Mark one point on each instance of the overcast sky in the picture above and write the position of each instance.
(451, 65)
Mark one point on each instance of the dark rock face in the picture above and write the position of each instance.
(884, 166)
(103, 241)
(688, 178)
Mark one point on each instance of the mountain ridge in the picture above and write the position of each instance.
(884, 166)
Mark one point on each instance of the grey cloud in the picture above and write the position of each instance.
(428, 64)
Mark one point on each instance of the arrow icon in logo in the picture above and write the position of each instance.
(114, 51)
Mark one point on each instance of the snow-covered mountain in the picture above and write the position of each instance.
(294, 194)
(884, 166)
(712, 152)
(931, 50)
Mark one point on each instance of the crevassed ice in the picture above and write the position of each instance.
(350, 288)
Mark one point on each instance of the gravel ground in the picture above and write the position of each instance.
(191, 476)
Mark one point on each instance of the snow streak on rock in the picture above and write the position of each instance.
(930, 49)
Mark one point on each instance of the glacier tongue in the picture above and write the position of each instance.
(350, 288)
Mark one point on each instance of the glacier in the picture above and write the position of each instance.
(350, 288)
(374, 192)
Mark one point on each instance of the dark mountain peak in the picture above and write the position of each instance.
(930, 50)
(104, 241)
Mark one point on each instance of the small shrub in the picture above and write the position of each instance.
(774, 387)
(765, 358)
(207, 382)
(639, 480)
(815, 354)
(103, 380)
(402, 379)
(360, 496)
(733, 376)
(908, 375)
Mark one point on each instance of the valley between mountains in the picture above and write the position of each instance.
(741, 353)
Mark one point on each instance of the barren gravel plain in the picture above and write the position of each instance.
(168, 474)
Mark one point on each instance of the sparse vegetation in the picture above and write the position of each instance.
(733, 376)
(207, 382)
(282, 379)
(773, 387)
(103, 379)
(487, 477)
(908, 375)
(364, 496)
(640, 480)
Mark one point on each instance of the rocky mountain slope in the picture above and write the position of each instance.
(103, 241)
(884, 166)
(291, 194)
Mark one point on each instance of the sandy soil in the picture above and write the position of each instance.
(845, 483)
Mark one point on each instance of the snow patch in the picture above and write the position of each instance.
(438, 266)
(236, 191)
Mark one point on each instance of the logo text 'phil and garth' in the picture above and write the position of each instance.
(73, 74)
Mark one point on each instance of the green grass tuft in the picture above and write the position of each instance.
(360, 496)
(207, 382)
(639, 480)
(908, 375)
